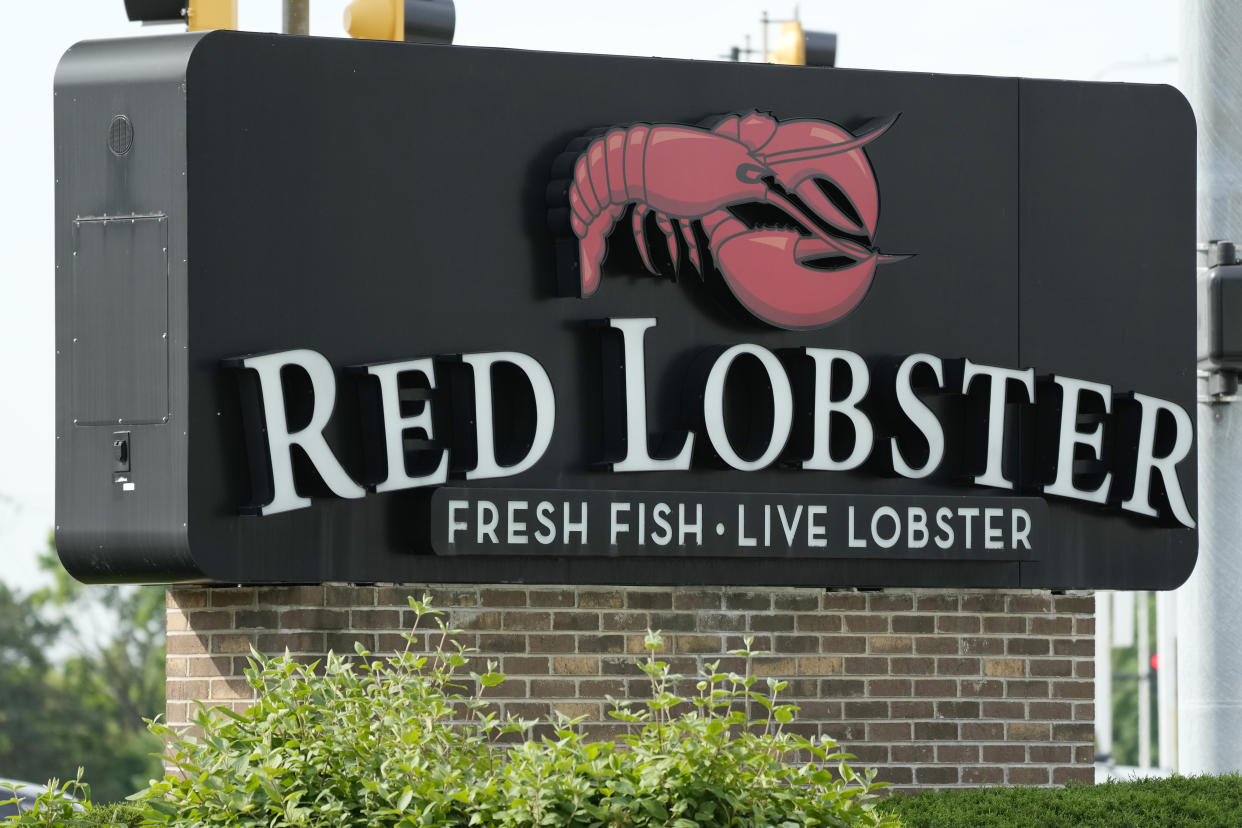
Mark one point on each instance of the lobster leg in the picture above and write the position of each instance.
(666, 227)
(640, 236)
(687, 233)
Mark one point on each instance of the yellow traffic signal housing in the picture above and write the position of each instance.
(797, 47)
(790, 47)
(202, 15)
(413, 21)
(376, 19)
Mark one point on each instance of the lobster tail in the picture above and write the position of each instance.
(697, 171)
(602, 187)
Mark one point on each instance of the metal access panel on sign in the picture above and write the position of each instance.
(120, 320)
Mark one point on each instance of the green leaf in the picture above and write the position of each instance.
(654, 808)
(162, 807)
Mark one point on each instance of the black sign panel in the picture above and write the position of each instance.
(431, 309)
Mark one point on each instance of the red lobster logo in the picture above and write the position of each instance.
(788, 209)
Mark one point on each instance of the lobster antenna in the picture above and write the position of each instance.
(871, 131)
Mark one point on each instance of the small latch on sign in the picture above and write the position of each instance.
(122, 458)
(120, 451)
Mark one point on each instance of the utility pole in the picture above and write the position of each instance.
(741, 54)
(297, 17)
(1209, 614)
(763, 25)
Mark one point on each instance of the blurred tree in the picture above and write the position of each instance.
(25, 639)
(1125, 696)
(80, 668)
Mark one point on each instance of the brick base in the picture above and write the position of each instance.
(936, 689)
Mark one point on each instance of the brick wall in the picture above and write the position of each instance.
(936, 689)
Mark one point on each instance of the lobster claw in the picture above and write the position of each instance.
(770, 273)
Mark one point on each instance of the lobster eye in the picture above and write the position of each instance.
(750, 173)
(839, 200)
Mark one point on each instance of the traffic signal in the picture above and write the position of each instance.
(199, 15)
(155, 11)
(414, 21)
(797, 47)
(202, 15)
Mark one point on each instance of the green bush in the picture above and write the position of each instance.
(1176, 802)
(69, 806)
(116, 815)
(408, 741)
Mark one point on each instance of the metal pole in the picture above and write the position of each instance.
(297, 17)
(1144, 681)
(763, 24)
(1103, 678)
(1209, 612)
(1166, 685)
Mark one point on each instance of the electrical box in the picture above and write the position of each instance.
(1220, 317)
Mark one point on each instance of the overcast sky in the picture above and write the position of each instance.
(1109, 40)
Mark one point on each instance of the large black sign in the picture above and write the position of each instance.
(342, 311)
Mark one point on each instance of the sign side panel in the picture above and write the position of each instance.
(121, 393)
